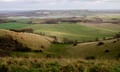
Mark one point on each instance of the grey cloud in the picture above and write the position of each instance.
(60, 4)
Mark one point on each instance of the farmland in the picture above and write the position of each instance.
(63, 47)
(78, 31)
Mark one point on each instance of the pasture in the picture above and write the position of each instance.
(80, 31)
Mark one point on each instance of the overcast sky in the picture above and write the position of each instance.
(58, 4)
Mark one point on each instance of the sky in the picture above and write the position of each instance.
(58, 4)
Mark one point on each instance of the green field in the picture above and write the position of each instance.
(12, 25)
(77, 31)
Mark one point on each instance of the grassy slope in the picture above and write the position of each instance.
(84, 50)
(77, 31)
(91, 49)
(18, 64)
(27, 39)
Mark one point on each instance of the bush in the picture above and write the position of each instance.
(118, 56)
(67, 41)
(37, 51)
(75, 43)
(100, 43)
(118, 39)
(42, 46)
(90, 58)
(106, 51)
(114, 41)
(97, 39)
(4, 53)
(117, 35)
(48, 55)
(23, 49)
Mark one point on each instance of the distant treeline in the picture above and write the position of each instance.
(74, 20)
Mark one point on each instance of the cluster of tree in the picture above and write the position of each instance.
(117, 35)
(3, 21)
(77, 20)
(29, 30)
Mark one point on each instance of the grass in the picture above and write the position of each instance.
(59, 50)
(84, 50)
(79, 31)
(9, 64)
(76, 31)
(12, 25)
(33, 41)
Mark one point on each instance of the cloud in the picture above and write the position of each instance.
(59, 4)
(38, 1)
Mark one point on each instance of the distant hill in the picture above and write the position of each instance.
(57, 13)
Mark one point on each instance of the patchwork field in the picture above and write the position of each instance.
(77, 31)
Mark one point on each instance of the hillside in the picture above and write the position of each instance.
(96, 56)
(33, 41)
(109, 49)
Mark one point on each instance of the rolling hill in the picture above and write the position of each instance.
(33, 41)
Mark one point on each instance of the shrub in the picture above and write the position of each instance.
(42, 46)
(75, 43)
(117, 35)
(118, 39)
(118, 56)
(4, 53)
(48, 56)
(37, 51)
(106, 51)
(97, 39)
(114, 41)
(104, 38)
(23, 49)
(67, 41)
(100, 43)
(90, 58)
